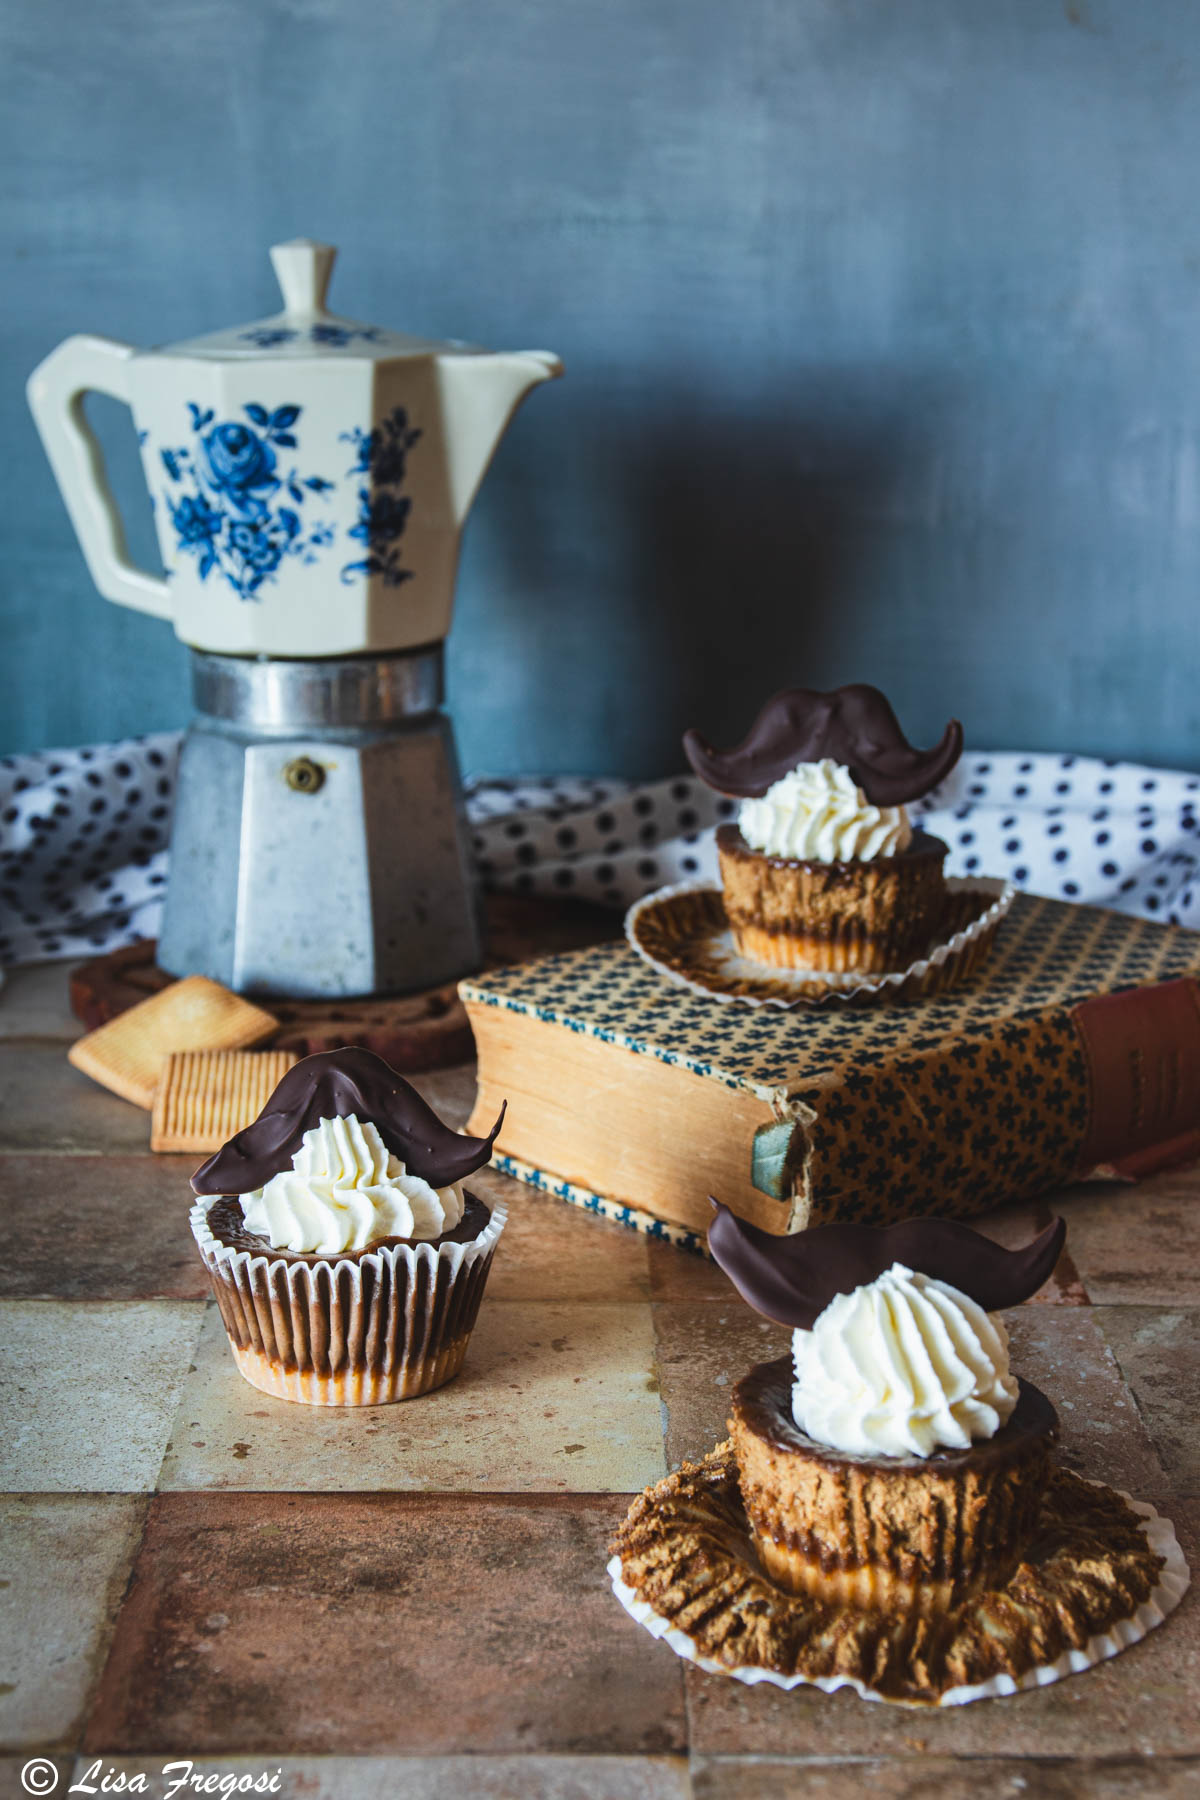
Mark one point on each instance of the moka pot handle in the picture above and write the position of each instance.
(56, 390)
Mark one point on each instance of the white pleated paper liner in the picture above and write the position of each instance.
(682, 932)
(383, 1324)
(1173, 1584)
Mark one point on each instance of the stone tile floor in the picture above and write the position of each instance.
(410, 1601)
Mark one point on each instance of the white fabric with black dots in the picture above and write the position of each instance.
(83, 834)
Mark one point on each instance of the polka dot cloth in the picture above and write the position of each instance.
(1074, 828)
(83, 837)
(606, 841)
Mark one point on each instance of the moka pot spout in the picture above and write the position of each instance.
(479, 395)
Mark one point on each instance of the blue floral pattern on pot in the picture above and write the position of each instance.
(227, 497)
(268, 337)
(341, 335)
(380, 464)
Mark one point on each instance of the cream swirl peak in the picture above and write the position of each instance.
(818, 812)
(346, 1191)
(902, 1367)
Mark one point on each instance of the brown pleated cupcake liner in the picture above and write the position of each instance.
(1101, 1572)
(363, 1330)
(684, 933)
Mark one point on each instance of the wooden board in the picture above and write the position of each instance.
(427, 1030)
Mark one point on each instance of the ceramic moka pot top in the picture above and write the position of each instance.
(310, 475)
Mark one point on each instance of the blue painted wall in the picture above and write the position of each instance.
(881, 319)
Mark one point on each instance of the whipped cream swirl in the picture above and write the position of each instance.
(818, 813)
(346, 1191)
(901, 1367)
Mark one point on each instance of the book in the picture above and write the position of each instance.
(1074, 1051)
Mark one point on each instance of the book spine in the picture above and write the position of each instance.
(1142, 1050)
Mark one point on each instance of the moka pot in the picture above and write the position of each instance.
(310, 477)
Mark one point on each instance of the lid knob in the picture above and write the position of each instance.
(302, 268)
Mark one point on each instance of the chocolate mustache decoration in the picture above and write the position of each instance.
(854, 726)
(793, 1279)
(332, 1085)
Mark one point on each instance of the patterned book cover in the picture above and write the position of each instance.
(1075, 1049)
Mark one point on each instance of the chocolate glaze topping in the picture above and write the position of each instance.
(793, 1279)
(332, 1085)
(763, 1398)
(854, 725)
(227, 1223)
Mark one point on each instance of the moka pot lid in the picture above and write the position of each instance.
(305, 328)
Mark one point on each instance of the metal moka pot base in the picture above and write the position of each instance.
(320, 848)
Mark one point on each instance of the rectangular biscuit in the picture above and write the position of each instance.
(127, 1053)
(205, 1096)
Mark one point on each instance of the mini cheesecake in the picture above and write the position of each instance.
(917, 1534)
(346, 1152)
(359, 1327)
(876, 914)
